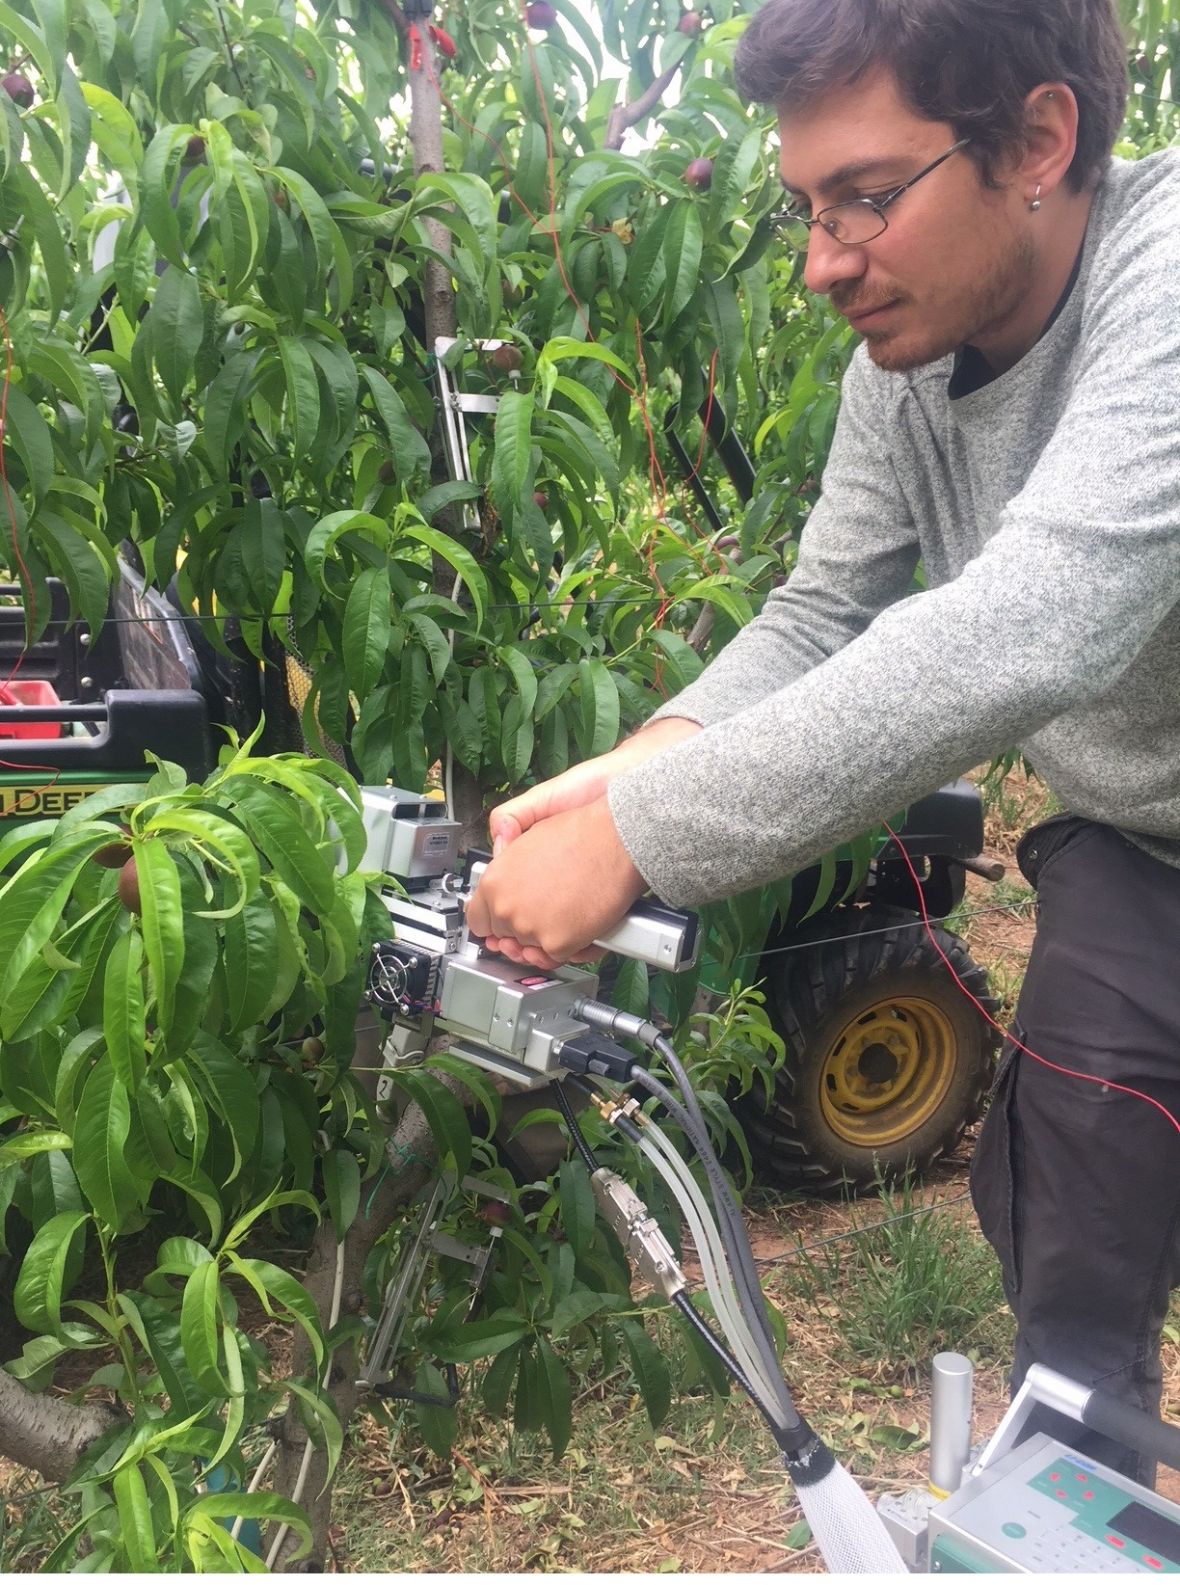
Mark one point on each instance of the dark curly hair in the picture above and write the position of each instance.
(970, 63)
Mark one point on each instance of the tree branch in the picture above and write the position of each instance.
(46, 1433)
(624, 116)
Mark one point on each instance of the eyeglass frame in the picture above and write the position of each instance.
(781, 218)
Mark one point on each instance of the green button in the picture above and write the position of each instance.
(1016, 1531)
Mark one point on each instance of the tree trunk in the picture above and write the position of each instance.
(46, 1434)
(427, 144)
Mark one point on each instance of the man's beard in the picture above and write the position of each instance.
(984, 304)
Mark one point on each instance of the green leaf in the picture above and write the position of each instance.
(250, 938)
(269, 815)
(683, 245)
(368, 623)
(32, 900)
(472, 1340)
(461, 560)
(229, 842)
(342, 1186)
(650, 1369)
(567, 347)
(123, 1022)
(600, 707)
(229, 1087)
(577, 1203)
(323, 1423)
(303, 398)
(511, 464)
(409, 452)
(78, 564)
(575, 1308)
(47, 231)
(496, 1388)
(444, 1115)
(32, 1142)
(200, 1329)
(135, 1520)
(556, 1400)
(162, 923)
(100, 1138)
(177, 325)
(226, 409)
(436, 1421)
(30, 438)
(252, 1505)
(271, 1282)
(39, 1288)
(156, 181)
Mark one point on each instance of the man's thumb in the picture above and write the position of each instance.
(505, 828)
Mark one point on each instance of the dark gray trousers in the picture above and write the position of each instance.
(1077, 1185)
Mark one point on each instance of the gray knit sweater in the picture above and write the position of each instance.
(1046, 509)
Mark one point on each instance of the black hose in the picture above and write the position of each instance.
(576, 1133)
(699, 1325)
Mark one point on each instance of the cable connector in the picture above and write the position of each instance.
(613, 1021)
(637, 1230)
(588, 1052)
(613, 1109)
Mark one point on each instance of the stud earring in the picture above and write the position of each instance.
(1036, 199)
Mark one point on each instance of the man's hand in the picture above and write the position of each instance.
(550, 892)
(583, 784)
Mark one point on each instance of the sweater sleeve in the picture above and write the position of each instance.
(1082, 568)
(857, 554)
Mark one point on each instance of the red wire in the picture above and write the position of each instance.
(1056, 1067)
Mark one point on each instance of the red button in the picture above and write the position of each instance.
(1153, 1562)
(1081, 1477)
(1116, 1540)
(1054, 1476)
(1062, 1494)
(1088, 1495)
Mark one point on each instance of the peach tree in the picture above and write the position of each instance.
(231, 238)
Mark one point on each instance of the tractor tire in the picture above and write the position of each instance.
(887, 1061)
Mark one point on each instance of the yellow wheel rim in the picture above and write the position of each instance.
(887, 1071)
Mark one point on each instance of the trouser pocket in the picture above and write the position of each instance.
(1043, 843)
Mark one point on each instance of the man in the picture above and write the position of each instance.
(1011, 419)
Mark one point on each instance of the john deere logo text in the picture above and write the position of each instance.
(18, 803)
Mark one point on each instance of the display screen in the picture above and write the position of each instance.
(1150, 1529)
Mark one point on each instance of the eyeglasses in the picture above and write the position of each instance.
(856, 221)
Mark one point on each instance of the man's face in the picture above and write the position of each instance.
(956, 259)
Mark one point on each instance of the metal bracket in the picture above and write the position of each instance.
(407, 1279)
(454, 405)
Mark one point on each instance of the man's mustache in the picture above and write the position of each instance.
(848, 303)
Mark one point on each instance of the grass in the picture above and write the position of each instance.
(34, 1517)
(917, 1279)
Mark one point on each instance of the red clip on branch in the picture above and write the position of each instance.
(446, 44)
